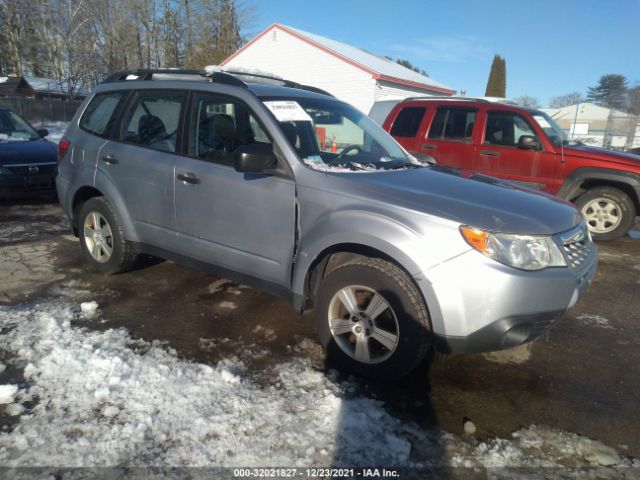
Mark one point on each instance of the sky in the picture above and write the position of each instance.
(551, 47)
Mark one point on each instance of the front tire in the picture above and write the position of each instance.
(609, 212)
(372, 320)
(102, 238)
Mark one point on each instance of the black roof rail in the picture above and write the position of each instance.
(460, 99)
(148, 74)
(285, 82)
(229, 77)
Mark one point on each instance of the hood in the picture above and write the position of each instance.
(466, 198)
(33, 151)
(602, 154)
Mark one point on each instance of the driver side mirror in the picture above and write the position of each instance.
(43, 132)
(255, 158)
(528, 142)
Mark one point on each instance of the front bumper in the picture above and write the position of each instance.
(28, 179)
(479, 305)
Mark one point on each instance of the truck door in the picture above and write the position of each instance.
(450, 136)
(502, 154)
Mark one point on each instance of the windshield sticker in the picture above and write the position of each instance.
(542, 121)
(288, 111)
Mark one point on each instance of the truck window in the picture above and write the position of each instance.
(505, 128)
(453, 123)
(408, 122)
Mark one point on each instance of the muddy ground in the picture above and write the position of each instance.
(582, 377)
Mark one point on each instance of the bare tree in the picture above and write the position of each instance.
(566, 100)
(78, 42)
(528, 101)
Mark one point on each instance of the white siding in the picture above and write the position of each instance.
(289, 57)
(392, 91)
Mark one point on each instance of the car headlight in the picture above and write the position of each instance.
(527, 252)
(4, 171)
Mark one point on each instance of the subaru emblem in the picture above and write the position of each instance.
(33, 169)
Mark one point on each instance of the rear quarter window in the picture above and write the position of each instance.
(101, 112)
(408, 122)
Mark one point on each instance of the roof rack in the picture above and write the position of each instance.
(216, 75)
(173, 74)
(285, 82)
(462, 99)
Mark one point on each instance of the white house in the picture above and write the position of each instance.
(598, 126)
(349, 73)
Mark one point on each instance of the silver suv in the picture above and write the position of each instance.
(283, 187)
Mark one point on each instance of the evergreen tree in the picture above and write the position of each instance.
(610, 92)
(497, 83)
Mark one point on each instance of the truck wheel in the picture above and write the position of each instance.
(372, 320)
(102, 239)
(609, 212)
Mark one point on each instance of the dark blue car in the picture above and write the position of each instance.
(28, 162)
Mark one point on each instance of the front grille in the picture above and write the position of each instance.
(577, 247)
(35, 169)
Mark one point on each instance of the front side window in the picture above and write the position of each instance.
(556, 135)
(152, 120)
(331, 135)
(505, 128)
(219, 126)
(453, 123)
(408, 122)
(100, 113)
(14, 129)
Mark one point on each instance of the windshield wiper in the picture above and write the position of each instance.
(405, 165)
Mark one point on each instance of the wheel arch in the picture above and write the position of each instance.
(110, 194)
(583, 179)
(307, 279)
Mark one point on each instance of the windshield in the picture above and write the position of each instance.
(333, 136)
(551, 128)
(15, 129)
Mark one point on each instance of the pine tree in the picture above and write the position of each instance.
(497, 83)
(610, 92)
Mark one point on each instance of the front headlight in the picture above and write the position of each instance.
(527, 252)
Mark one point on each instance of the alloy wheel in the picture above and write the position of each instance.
(363, 324)
(98, 237)
(602, 215)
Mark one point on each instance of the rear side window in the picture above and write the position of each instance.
(100, 113)
(153, 118)
(408, 122)
(453, 123)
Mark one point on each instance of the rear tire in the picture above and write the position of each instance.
(372, 320)
(102, 238)
(609, 212)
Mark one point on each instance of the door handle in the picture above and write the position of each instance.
(489, 153)
(188, 178)
(110, 159)
(429, 146)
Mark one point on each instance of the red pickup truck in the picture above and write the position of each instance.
(522, 145)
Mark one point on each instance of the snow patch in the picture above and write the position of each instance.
(227, 305)
(7, 393)
(103, 398)
(595, 321)
(218, 285)
(89, 308)
(517, 355)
